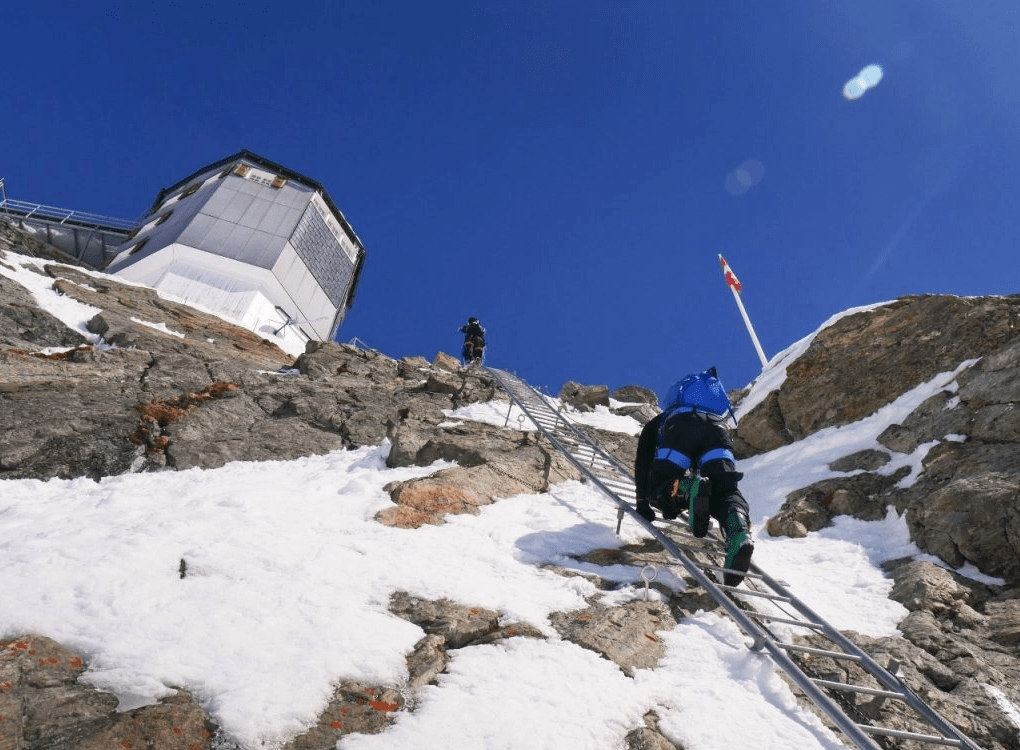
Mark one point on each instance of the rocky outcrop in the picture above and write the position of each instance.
(584, 397)
(633, 400)
(42, 705)
(193, 392)
(964, 506)
(865, 360)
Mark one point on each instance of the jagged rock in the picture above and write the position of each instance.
(456, 624)
(492, 462)
(642, 413)
(647, 738)
(895, 346)
(175, 723)
(619, 445)
(428, 500)
(69, 416)
(924, 585)
(409, 367)
(24, 326)
(446, 361)
(762, 429)
(427, 662)
(355, 707)
(624, 634)
(450, 625)
(898, 438)
(813, 507)
(1004, 622)
(964, 507)
(867, 460)
(43, 705)
(936, 418)
(584, 397)
(636, 394)
(102, 412)
(786, 525)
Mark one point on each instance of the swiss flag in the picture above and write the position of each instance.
(731, 278)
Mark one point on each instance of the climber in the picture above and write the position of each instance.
(474, 341)
(685, 448)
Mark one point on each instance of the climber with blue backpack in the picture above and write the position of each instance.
(685, 462)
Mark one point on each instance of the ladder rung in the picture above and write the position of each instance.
(744, 591)
(683, 526)
(818, 651)
(744, 573)
(859, 689)
(787, 620)
(899, 734)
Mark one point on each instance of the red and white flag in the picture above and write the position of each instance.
(731, 278)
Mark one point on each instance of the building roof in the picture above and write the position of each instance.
(272, 166)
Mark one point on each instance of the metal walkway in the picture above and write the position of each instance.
(89, 238)
(760, 601)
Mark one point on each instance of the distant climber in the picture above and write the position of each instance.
(474, 341)
(685, 448)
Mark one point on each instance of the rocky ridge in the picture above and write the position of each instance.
(181, 389)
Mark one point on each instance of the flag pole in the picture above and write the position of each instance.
(734, 285)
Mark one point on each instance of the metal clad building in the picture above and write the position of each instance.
(252, 241)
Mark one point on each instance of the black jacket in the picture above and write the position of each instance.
(698, 433)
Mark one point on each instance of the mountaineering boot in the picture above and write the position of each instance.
(739, 548)
(697, 513)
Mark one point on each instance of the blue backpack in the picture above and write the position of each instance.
(702, 392)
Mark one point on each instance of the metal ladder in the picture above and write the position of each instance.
(700, 558)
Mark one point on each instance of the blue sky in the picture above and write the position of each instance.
(559, 169)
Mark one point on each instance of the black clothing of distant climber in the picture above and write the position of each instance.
(474, 341)
(682, 450)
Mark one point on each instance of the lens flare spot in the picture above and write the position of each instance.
(745, 177)
(868, 78)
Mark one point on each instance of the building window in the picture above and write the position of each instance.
(242, 170)
(163, 218)
(191, 190)
(317, 246)
(138, 246)
(279, 182)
